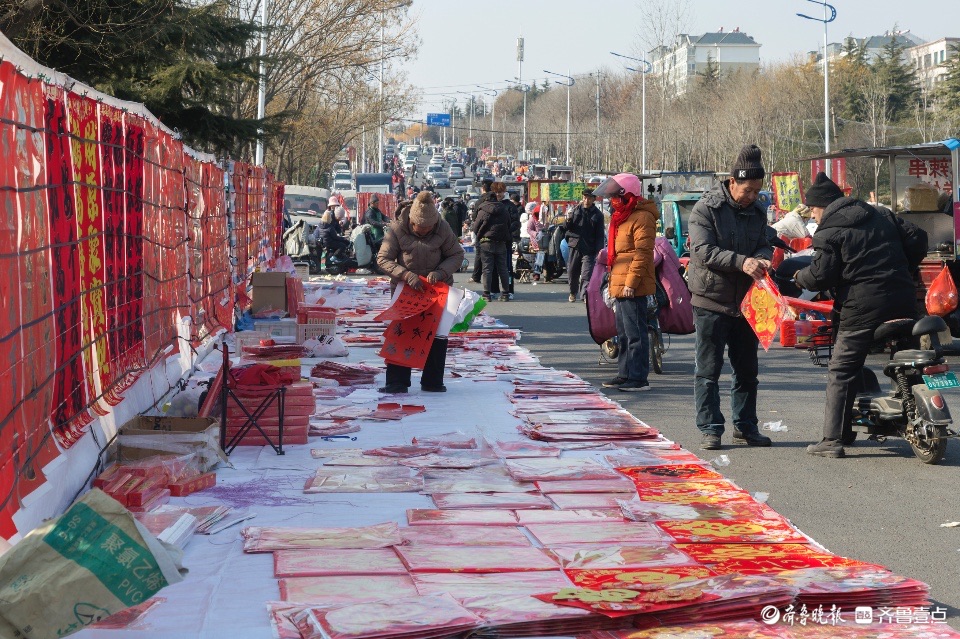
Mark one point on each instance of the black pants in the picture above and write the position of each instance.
(849, 355)
(496, 267)
(432, 369)
(579, 269)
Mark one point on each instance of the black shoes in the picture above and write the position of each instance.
(434, 389)
(393, 389)
(751, 439)
(631, 386)
(710, 442)
(827, 448)
(504, 297)
(616, 382)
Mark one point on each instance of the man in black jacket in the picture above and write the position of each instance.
(865, 256)
(492, 230)
(584, 236)
(728, 251)
(485, 185)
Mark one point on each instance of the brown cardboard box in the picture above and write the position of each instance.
(146, 436)
(269, 291)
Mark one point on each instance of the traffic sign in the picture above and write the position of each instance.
(438, 119)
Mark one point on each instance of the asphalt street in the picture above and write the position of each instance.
(880, 504)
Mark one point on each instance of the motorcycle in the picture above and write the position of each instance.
(361, 253)
(913, 409)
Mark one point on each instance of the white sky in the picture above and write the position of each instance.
(471, 42)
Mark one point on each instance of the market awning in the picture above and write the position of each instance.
(927, 149)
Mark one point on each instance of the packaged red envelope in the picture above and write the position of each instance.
(403, 617)
(624, 532)
(654, 576)
(461, 517)
(461, 535)
(337, 561)
(757, 531)
(474, 558)
(670, 472)
(345, 589)
(615, 556)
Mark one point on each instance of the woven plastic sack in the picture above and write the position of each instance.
(942, 295)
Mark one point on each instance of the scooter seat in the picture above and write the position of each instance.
(914, 357)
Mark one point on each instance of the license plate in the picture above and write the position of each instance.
(941, 381)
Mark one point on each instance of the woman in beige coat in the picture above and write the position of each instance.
(419, 243)
(633, 230)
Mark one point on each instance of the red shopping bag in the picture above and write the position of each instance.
(942, 294)
(763, 308)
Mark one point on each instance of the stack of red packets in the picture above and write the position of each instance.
(146, 484)
(298, 405)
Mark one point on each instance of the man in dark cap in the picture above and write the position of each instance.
(485, 184)
(865, 255)
(728, 251)
(584, 236)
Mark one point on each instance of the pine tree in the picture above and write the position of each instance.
(848, 71)
(948, 91)
(710, 78)
(899, 79)
(187, 63)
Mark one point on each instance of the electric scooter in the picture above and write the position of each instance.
(363, 245)
(914, 408)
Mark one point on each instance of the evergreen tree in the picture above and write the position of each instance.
(709, 79)
(187, 63)
(899, 79)
(847, 72)
(948, 91)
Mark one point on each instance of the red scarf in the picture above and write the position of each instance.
(623, 207)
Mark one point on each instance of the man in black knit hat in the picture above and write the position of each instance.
(865, 255)
(728, 251)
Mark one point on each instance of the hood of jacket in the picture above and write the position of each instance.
(720, 195)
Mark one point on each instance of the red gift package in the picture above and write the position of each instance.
(193, 484)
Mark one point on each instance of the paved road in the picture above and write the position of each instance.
(879, 504)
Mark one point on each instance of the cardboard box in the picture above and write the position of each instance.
(147, 436)
(269, 291)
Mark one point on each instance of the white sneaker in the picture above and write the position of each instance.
(510, 296)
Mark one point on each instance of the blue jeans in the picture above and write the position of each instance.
(634, 359)
(714, 332)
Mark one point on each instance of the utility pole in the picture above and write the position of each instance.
(643, 83)
(523, 153)
(262, 90)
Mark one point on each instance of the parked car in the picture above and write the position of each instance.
(462, 186)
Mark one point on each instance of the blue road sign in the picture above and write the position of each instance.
(438, 119)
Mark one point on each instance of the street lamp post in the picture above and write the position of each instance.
(569, 83)
(826, 73)
(493, 114)
(643, 101)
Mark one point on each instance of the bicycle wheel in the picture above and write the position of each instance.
(656, 350)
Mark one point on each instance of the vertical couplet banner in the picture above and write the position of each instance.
(110, 233)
